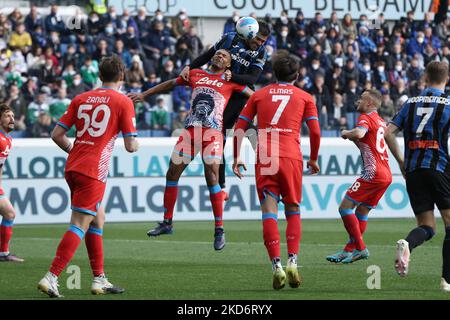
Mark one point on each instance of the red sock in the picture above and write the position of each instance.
(352, 226)
(217, 199)
(293, 231)
(362, 219)
(94, 245)
(170, 197)
(271, 235)
(66, 249)
(5, 234)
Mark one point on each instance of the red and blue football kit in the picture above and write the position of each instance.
(376, 175)
(204, 122)
(281, 110)
(5, 148)
(99, 116)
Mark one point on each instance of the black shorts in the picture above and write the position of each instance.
(427, 187)
(233, 110)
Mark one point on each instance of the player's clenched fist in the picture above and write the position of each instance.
(313, 166)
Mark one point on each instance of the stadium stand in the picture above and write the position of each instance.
(43, 64)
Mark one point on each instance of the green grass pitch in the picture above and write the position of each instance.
(185, 266)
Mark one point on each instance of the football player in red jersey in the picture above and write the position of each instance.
(6, 209)
(280, 109)
(203, 131)
(365, 193)
(99, 116)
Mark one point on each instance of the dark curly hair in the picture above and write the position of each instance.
(204, 96)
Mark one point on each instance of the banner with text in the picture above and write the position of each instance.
(392, 9)
(33, 179)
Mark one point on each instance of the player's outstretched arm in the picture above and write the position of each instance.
(131, 144)
(165, 86)
(391, 141)
(354, 134)
(60, 138)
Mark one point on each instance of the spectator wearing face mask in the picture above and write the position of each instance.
(398, 72)
(380, 74)
(108, 35)
(131, 41)
(283, 39)
(416, 45)
(54, 22)
(95, 24)
(77, 87)
(366, 45)
(316, 68)
(365, 72)
(180, 23)
(283, 21)
(300, 43)
(230, 24)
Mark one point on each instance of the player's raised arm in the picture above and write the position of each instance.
(165, 86)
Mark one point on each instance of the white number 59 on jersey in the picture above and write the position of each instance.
(94, 127)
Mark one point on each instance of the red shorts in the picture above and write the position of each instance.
(284, 185)
(367, 193)
(86, 193)
(194, 139)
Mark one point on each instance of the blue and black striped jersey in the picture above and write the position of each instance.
(243, 57)
(425, 120)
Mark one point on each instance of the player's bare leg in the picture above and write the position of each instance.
(79, 224)
(178, 164)
(293, 237)
(215, 194)
(445, 280)
(8, 215)
(271, 235)
(426, 226)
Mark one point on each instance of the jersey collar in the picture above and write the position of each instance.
(434, 90)
(5, 134)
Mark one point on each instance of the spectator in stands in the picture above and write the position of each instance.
(156, 41)
(323, 100)
(16, 101)
(367, 46)
(136, 72)
(178, 122)
(160, 115)
(89, 72)
(58, 106)
(230, 24)
(348, 26)
(350, 71)
(399, 90)
(380, 74)
(180, 23)
(338, 112)
(20, 39)
(283, 40)
(193, 42)
(38, 106)
(54, 22)
(43, 127)
(122, 52)
(77, 87)
(397, 73)
(284, 21)
(33, 19)
(168, 71)
(181, 96)
(351, 95)
(387, 108)
(131, 41)
(300, 43)
(416, 45)
(143, 22)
